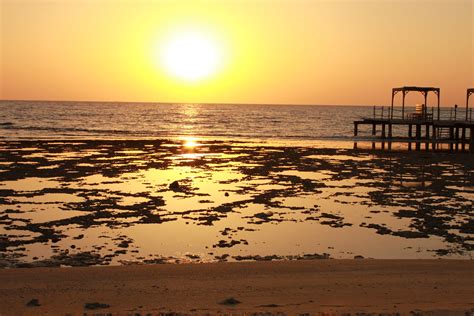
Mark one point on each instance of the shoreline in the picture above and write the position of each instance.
(343, 143)
(364, 144)
(312, 286)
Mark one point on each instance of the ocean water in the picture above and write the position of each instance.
(68, 201)
(106, 120)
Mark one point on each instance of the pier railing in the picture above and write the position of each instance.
(431, 113)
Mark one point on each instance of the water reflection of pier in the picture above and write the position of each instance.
(431, 127)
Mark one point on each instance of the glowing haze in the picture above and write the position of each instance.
(189, 55)
(262, 51)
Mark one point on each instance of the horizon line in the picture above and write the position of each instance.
(203, 103)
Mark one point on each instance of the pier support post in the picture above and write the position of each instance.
(374, 131)
(456, 138)
(410, 135)
(451, 138)
(356, 130)
(427, 136)
(418, 136)
(404, 93)
(390, 136)
(471, 143)
(463, 139)
(383, 135)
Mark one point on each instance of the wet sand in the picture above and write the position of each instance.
(138, 204)
(333, 286)
(106, 202)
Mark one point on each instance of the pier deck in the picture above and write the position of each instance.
(458, 135)
(455, 130)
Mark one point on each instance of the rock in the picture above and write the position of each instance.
(227, 244)
(191, 256)
(230, 301)
(33, 303)
(176, 187)
(314, 256)
(411, 234)
(222, 258)
(226, 194)
(269, 305)
(258, 258)
(331, 216)
(96, 306)
(406, 213)
(381, 230)
(359, 257)
(123, 244)
(263, 215)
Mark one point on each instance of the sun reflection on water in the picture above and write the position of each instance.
(190, 142)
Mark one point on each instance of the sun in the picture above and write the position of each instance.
(190, 56)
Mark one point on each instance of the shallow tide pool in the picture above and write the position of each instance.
(146, 201)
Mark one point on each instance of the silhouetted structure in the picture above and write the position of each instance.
(468, 94)
(424, 91)
(450, 129)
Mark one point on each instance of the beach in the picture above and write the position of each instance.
(183, 157)
(422, 287)
(215, 226)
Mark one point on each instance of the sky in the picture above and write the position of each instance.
(348, 52)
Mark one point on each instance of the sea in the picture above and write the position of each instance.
(192, 190)
(116, 120)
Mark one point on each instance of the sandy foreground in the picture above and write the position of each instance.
(312, 286)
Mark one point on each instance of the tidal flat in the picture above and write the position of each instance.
(120, 202)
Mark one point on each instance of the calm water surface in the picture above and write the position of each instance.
(108, 200)
(143, 120)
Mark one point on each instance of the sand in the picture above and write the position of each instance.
(308, 286)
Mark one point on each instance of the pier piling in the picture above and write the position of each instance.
(471, 143)
(418, 136)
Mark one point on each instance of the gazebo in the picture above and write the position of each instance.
(468, 94)
(423, 90)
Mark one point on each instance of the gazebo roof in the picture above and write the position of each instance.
(413, 88)
(423, 90)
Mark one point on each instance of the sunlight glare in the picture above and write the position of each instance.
(190, 56)
(190, 142)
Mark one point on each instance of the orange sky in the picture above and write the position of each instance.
(273, 51)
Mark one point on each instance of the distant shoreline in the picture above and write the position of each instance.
(176, 103)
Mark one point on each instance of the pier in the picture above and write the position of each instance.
(424, 128)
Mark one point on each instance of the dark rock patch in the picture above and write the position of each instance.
(33, 303)
(93, 306)
(230, 301)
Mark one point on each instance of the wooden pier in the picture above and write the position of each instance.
(422, 127)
